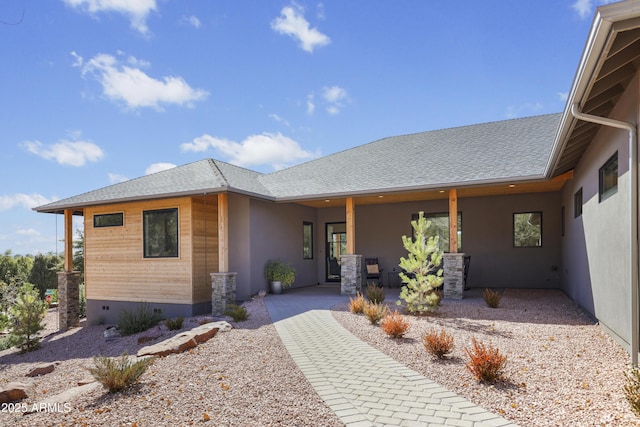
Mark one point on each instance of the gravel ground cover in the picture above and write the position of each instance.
(562, 369)
(243, 377)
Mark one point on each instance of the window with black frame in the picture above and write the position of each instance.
(609, 178)
(439, 226)
(160, 233)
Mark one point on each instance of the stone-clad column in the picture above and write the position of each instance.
(453, 265)
(352, 275)
(68, 299)
(223, 292)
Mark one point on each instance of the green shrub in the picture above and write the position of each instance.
(492, 298)
(174, 324)
(5, 342)
(117, 374)
(356, 305)
(237, 312)
(25, 316)
(374, 293)
(632, 389)
(133, 321)
(374, 312)
(423, 274)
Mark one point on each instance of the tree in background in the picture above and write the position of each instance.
(44, 272)
(421, 272)
(15, 268)
(78, 254)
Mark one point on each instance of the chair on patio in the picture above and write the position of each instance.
(334, 267)
(374, 272)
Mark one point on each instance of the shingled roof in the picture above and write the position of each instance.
(503, 151)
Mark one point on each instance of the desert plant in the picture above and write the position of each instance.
(25, 317)
(423, 274)
(237, 312)
(374, 312)
(394, 325)
(356, 305)
(133, 321)
(438, 344)
(486, 363)
(278, 271)
(632, 389)
(117, 374)
(375, 293)
(491, 297)
(174, 324)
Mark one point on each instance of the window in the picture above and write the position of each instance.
(440, 227)
(307, 240)
(527, 230)
(609, 178)
(160, 233)
(108, 220)
(577, 203)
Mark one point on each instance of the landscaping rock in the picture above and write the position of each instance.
(86, 380)
(185, 340)
(150, 335)
(13, 392)
(42, 369)
(62, 401)
(111, 333)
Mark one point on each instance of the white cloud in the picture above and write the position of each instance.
(136, 10)
(191, 20)
(291, 22)
(525, 109)
(28, 232)
(115, 178)
(26, 201)
(585, 7)
(320, 12)
(135, 88)
(311, 107)
(158, 167)
(272, 149)
(279, 119)
(563, 96)
(72, 153)
(79, 60)
(336, 97)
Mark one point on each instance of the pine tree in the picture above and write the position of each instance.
(26, 315)
(421, 274)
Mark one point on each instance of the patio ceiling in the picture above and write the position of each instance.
(554, 184)
(617, 67)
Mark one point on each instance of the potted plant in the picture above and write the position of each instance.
(280, 275)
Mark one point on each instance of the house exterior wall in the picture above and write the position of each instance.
(117, 276)
(276, 232)
(487, 235)
(596, 245)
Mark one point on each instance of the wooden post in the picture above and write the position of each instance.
(68, 240)
(453, 221)
(351, 226)
(223, 233)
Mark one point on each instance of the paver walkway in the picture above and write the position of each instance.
(363, 386)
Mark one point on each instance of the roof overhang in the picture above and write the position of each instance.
(609, 62)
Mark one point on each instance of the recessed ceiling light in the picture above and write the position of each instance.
(441, 191)
(380, 197)
(511, 185)
(327, 201)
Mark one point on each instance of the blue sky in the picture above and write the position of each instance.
(94, 92)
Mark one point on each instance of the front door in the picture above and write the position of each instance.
(336, 240)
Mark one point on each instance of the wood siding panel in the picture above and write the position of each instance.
(205, 245)
(116, 268)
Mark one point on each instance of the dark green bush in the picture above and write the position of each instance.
(174, 324)
(237, 313)
(374, 293)
(117, 374)
(133, 321)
